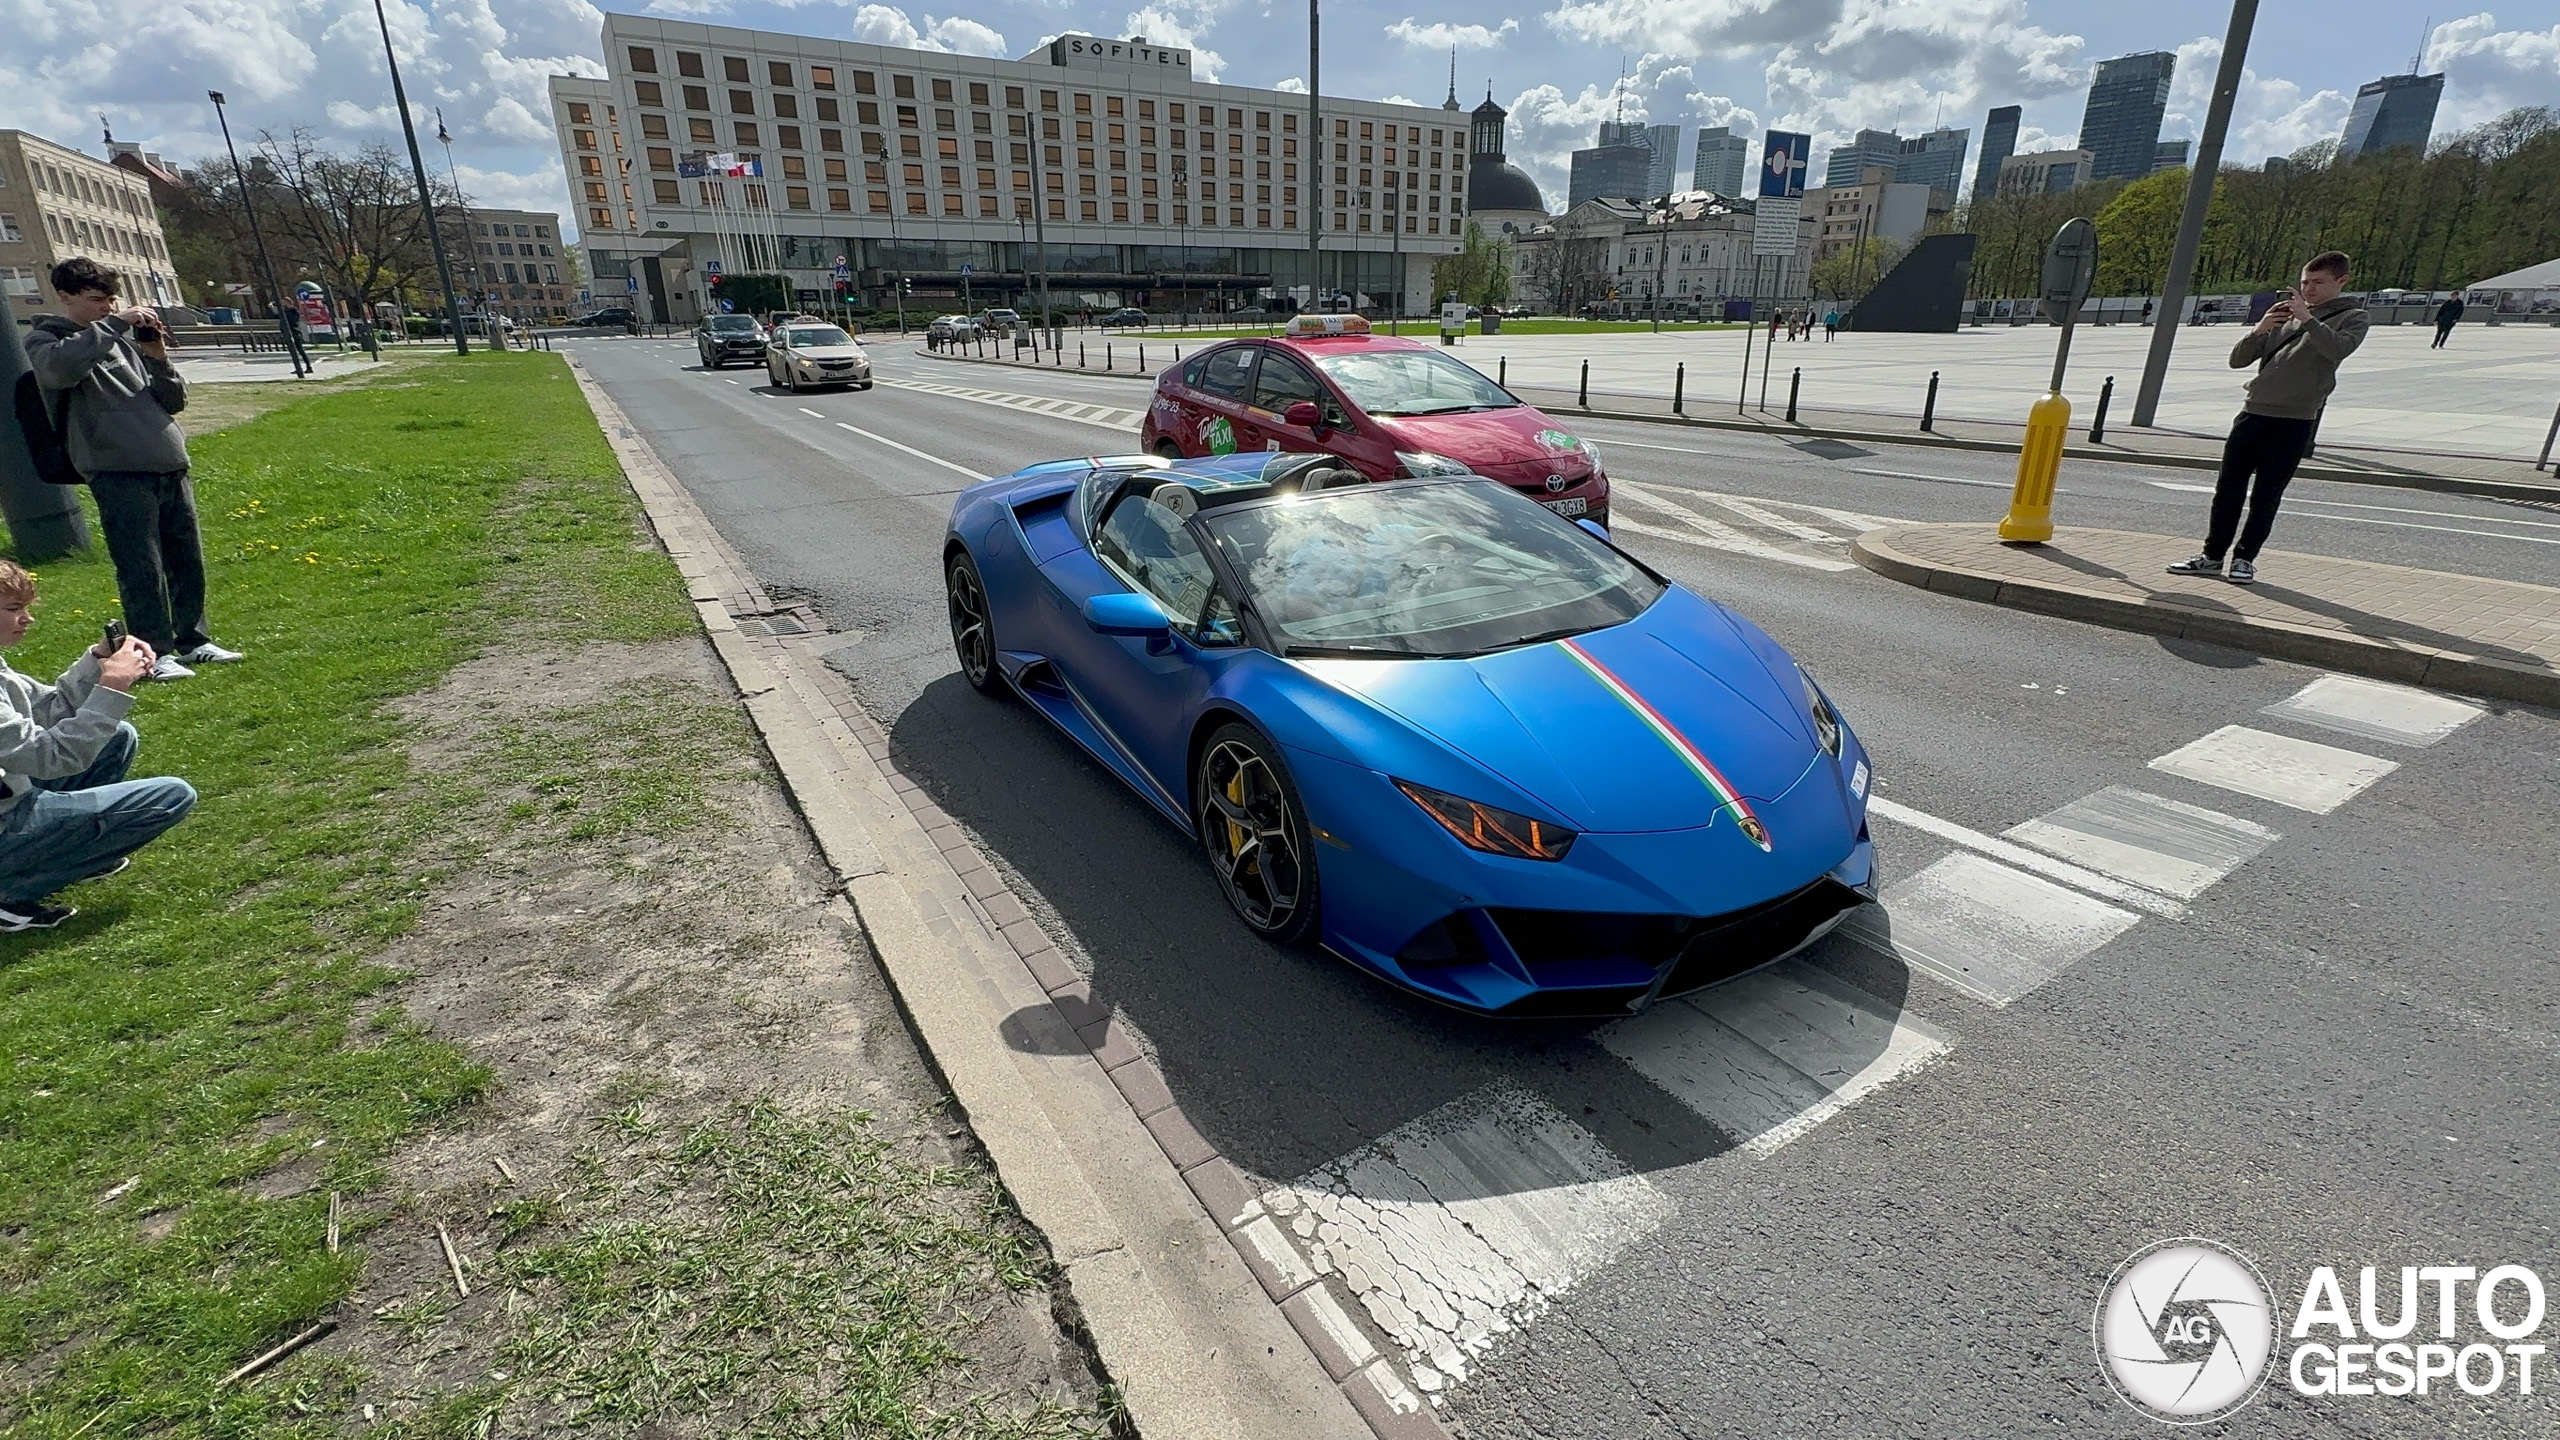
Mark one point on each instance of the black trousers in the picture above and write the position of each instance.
(2257, 463)
(150, 520)
(2443, 329)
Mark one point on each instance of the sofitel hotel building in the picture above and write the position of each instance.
(952, 173)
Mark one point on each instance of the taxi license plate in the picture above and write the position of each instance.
(1576, 506)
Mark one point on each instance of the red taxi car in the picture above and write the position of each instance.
(1389, 407)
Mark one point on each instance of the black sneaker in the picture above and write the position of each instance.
(32, 915)
(2201, 565)
(2242, 573)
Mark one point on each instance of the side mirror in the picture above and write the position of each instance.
(1304, 415)
(1594, 526)
(1126, 613)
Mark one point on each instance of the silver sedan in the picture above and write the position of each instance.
(805, 354)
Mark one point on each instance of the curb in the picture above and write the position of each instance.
(1224, 1341)
(2439, 484)
(2403, 663)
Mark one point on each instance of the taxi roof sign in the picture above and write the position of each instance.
(1301, 326)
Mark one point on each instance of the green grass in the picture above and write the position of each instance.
(195, 1026)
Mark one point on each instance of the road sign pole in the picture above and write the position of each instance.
(2182, 255)
(2070, 266)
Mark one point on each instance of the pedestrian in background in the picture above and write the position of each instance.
(2448, 315)
(1830, 324)
(2297, 347)
(105, 373)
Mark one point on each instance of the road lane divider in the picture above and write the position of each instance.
(923, 455)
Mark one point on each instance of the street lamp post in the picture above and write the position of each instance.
(1040, 227)
(898, 283)
(1315, 154)
(426, 201)
(2182, 254)
(1395, 229)
(445, 138)
(1182, 232)
(248, 202)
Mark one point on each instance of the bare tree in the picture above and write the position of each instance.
(1566, 268)
(351, 221)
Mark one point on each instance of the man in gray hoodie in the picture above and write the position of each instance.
(2297, 348)
(106, 378)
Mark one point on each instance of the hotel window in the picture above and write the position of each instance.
(786, 106)
(1021, 179)
(903, 86)
(1057, 209)
(1092, 210)
(590, 165)
(688, 64)
(746, 133)
(1262, 218)
(947, 148)
(1120, 212)
(1013, 97)
(644, 61)
(835, 169)
(950, 177)
(831, 140)
(982, 123)
(946, 120)
(914, 174)
(942, 90)
(1235, 216)
(866, 112)
(794, 168)
(840, 200)
(742, 102)
(951, 205)
(586, 139)
(907, 118)
(863, 84)
(1084, 159)
(1087, 184)
(661, 158)
(1116, 134)
(1084, 104)
(915, 202)
(787, 136)
(1235, 121)
(822, 77)
(828, 109)
(985, 151)
(1148, 214)
(1261, 119)
(879, 202)
(1049, 100)
(600, 217)
(986, 179)
(697, 97)
(1119, 184)
(1084, 131)
(796, 197)
(778, 72)
(1119, 159)
(977, 92)
(1235, 143)
(663, 191)
(596, 191)
(735, 67)
(581, 113)
(911, 145)
(653, 127)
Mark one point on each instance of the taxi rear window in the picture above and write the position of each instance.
(1228, 372)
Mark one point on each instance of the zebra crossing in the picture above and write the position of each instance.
(1105, 417)
(1433, 1242)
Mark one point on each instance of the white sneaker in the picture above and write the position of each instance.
(209, 653)
(168, 668)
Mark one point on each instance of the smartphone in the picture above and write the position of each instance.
(116, 635)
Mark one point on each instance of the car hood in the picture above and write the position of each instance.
(827, 352)
(1502, 444)
(1629, 729)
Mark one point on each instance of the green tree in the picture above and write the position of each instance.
(2136, 231)
(1848, 273)
(1479, 274)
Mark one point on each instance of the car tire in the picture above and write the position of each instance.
(1254, 834)
(1168, 450)
(973, 626)
(865, 385)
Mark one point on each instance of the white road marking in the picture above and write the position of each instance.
(725, 380)
(1763, 515)
(1990, 931)
(812, 414)
(2188, 486)
(2300, 773)
(1769, 1056)
(910, 449)
(2375, 711)
(1718, 535)
(2160, 844)
(1941, 479)
(1102, 417)
(1467, 1223)
(2024, 858)
(2314, 509)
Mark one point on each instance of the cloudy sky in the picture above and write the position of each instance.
(1829, 66)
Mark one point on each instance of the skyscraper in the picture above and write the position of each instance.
(2122, 123)
(2170, 155)
(1611, 172)
(1999, 142)
(1872, 147)
(1664, 142)
(2394, 110)
(1935, 160)
(1724, 160)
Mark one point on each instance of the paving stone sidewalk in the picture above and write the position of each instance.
(2495, 638)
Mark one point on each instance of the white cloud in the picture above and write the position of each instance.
(1547, 125)
(889, 25)
(1397, 100)
(1181, 23)
(2488, 71)
(1441, 35)
(2269, 116)
(1295, 85)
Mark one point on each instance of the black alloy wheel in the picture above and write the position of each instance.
(973, 631)
(1255, 834)
(1168, 450)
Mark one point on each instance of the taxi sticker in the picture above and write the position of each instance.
(1558, 442)
(1218, 435)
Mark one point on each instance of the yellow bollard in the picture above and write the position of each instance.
(2030, 518)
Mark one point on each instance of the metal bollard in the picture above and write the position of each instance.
(1929, 407)
(1177, 354)
(1502, 371)
(1795, 383)
(1080, 355)
(2098, 422)
(2547, 437)
(1679, 381)
(1582, 397)
(1106, 355)
(1142, 357)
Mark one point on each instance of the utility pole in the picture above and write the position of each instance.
(1040, 227)
(1315, 156)
(444, 137)
(898, 282)
(2182, 257)
(249, 203)
(426, 201)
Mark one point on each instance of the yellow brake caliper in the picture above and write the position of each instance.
(1236, 834)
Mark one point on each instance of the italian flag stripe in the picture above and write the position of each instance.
(1727, 798)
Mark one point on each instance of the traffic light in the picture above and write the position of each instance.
(907, 284)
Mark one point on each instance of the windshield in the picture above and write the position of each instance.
(1410, 382)
(806, 335)
(727, 323)
(1451, 569)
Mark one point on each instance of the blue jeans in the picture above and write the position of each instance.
(70, 829)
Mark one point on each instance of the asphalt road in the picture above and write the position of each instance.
(1877, 1192)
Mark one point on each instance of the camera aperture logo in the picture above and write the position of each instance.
(2184, 1331)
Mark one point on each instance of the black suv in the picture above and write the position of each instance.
(720, 339)
(610, 315)
(1127, 317)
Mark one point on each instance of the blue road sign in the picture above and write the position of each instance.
(631, 284)
(968, 270)
(1784, 157)
(711, 268)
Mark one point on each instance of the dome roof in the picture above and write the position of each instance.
(1493, 184)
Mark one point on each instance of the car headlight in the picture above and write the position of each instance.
(1592, 451)
(1489, 828)
(1826, 721)
(1418, 463)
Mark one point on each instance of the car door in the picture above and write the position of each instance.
(1224, 396)
(1280, 382)
(1143, 692)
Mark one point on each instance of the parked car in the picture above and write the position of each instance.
(1125, 317)
(609, 315)
(720, 339)
(951, 330)
(1390, 408)
(997, 320)
(805, 352)
(1250, 315)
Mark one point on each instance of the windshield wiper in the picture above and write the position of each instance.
(1526, 641)
(1347, 652)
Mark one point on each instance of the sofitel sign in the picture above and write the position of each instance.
(1083, 52)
